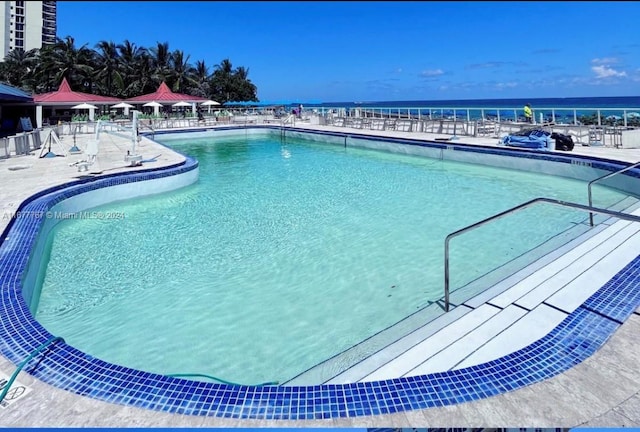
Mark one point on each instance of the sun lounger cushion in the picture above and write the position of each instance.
(538, 140)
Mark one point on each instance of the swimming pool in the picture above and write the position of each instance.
(69, 368)
(292, 251)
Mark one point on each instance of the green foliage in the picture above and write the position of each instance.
(123, 70)
(231, 85)
(80, 117)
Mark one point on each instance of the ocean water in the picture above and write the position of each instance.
(565, 103)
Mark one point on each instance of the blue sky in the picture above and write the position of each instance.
(375, 51)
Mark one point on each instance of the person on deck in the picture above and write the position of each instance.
(528, 113)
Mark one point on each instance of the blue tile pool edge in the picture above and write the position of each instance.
(573, 340)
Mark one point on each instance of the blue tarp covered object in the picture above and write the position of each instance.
(536, 139)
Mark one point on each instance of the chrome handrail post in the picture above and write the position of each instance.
(589, 193)
(446, 274)
(620, 215)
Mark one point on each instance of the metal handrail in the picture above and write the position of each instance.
(150, 127)
(500, 215)
(602, 178)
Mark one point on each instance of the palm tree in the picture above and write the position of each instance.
(107, 64)
(123, 70)
(18, 65)
(228, 84)
(224, 68)
(133, 66)
(201, 79)
(182, 72)
(245, 89)
(161, 57)
(220, 82)
(43, 77)
(73, 63)
(242, 73)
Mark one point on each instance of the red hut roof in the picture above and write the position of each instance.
(64, 94)
(164, 94)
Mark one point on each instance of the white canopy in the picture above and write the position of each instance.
(152, 104)
(122, 105)
(181, 104)
(209, 102)
(84, 106)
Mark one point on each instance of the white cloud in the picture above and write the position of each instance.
(506, 85)
(432, 72)
(604, 71)
(605, 61)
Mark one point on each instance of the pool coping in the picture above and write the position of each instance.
(575, 339)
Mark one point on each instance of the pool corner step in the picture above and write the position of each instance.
(357, 361)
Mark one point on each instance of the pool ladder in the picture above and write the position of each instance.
(606, 176)
(500, 215)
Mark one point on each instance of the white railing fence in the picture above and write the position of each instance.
(588, 126)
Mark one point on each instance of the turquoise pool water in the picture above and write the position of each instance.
(283, 255)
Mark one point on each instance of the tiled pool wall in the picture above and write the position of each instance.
(568, 165)
(63, 366)
(564, 165)
(83, 200)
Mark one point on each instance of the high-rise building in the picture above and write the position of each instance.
(26, 25)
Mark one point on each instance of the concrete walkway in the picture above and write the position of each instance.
(601, 391)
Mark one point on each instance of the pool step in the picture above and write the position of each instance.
(475, 300)
(352, 364)
(367, 369)
(554, 276)
(534, 325)
(465, 329)
(369, 364)
(524, 312)
(397, 348)
(510, 315)
(467, 294)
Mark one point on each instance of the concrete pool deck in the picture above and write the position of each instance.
(600, 391)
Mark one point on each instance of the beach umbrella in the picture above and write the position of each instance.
(208, 104)
(182, 104)
(156, 107)
(86, 106)
(633, 115)
(152, 104)
(124, 105)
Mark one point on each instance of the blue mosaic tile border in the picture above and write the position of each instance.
(573, 340)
